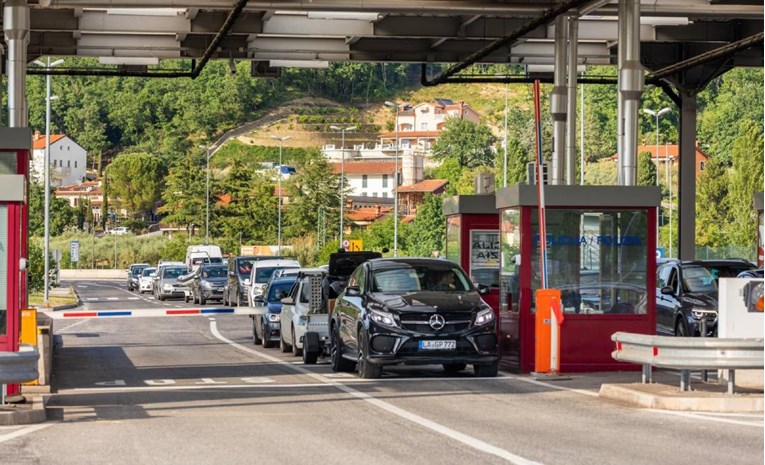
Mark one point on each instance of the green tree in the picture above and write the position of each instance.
(465, 141)
(184, 196)
(601, 173)
(314, 186)
(735, 97)
(746, 178)
(517, 159)
(450, 170)
(646, 170)
(713, 213)
(136, 180)
(62, 216)
(428, 230)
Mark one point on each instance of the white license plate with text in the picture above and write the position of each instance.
(438, 345)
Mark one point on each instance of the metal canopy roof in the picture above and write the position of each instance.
(424, 31)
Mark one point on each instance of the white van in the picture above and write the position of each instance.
(261, 273)
(199, 254)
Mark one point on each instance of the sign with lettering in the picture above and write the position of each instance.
(484, 248)
(577, 240)
(74, 251)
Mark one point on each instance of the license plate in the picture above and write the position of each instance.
(438, 345)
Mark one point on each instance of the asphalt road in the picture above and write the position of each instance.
(188, 390)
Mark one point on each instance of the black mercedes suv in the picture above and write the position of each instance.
(412, 311)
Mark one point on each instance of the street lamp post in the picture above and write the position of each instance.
(342, 174)
(657, 114)
(279, 181)
(46, 175)
(395, 185)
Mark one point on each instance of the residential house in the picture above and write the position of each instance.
(411, 197)
(670, 153)
(89, 191)
(368, 178)
(68, 160)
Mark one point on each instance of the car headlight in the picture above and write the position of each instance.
(206, 285)
(483, 317)
(383, 318)
(274, 317)
(167, 287)
(700, 313)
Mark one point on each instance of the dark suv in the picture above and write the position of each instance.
(686, 295)
(412, 311)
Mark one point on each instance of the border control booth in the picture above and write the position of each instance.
(601, 255)
(472, 240)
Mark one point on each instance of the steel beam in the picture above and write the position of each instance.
(573, 34)
(558, 101)
(687, 178)
(631, 88)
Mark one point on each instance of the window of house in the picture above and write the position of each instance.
(75, 163)
(385, 180)
(374, 194)
(69, 163)
(385, 194)
(701, 166)
(364, 179)
(423, 126)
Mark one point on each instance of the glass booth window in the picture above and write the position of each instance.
(598, 260)
(3, 270)
(510, 250)
(453, 238)
(484, 257)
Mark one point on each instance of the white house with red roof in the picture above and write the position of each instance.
(68, 160)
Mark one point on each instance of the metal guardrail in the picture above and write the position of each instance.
(688, 353)
(18, 367)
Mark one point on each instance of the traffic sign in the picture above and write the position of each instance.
(346, 243)
(355, 246)
(659, 252)
(74, 251)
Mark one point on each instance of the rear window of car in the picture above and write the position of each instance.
(173, 272)
(147, 271)
(278, 291)
(244, 267)
(136, 270)
(217, 272)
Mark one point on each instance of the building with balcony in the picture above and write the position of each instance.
(68, 160)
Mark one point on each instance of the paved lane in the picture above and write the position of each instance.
(195, 390)
(113, 295)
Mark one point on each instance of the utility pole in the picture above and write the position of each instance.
(279, 180)
(395, 186)
(342, 175)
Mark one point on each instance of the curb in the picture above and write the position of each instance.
(30, 412)
(663, 397)
(62, 307)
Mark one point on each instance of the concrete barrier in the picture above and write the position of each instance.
(81, 275)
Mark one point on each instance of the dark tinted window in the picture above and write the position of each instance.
(698, 279)
(136, 270)
(727, 271)
(408, 278)
(217, 272)
(244, 268)
(148, 271)
(278, 291)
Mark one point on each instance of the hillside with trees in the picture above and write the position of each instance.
(146, 137)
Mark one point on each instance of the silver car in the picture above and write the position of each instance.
(167, 284)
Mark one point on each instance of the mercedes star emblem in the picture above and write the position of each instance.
(437, 322)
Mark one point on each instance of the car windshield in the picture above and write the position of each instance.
(137, 270)
(727, 271)
(173, 272)
(245, 266)
(263, 274)
(148, 271)
(408, 278)
(698, 279)
(280, 290)
(214, 272)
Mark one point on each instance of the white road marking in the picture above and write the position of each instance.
(561, 388)
(134, 298)
(708, 417)
(112, 298)
(23, 432)
(65, 328)
(91, 299)
(469, 441)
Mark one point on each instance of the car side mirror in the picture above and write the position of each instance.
(483, 289)
(667, 290)
(288, 301)
(153, 275)
(232, 273)
(246, 282)
(258, 298)
(352, 291)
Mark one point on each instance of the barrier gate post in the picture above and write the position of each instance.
(547, 335)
